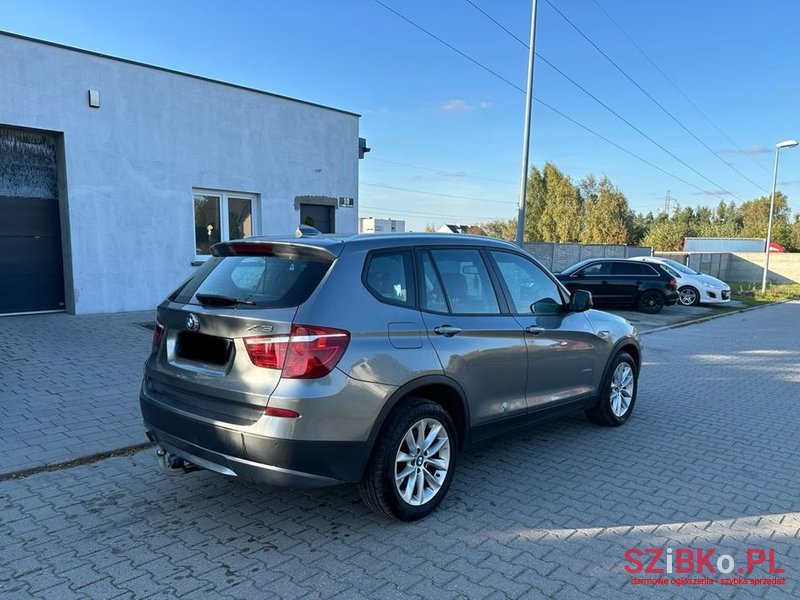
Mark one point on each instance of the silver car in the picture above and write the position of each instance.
(377, 359)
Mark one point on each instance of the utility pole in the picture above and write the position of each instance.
(527, 131)
(667, 201)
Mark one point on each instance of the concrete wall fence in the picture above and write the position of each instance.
(557, 257)
(784, 267)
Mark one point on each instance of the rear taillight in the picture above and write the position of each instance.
(158, 335)
(308, 352)
(672, 283)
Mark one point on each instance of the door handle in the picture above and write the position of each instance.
(447, 330)
(604, 282)
(534, 329)
(638, 283)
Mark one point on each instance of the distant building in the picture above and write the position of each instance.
(373, 225)
(116, 177)
(724, 244)
(453, 229)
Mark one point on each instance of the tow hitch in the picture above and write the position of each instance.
(172, 464)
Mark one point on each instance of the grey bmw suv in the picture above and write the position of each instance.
(377, 359)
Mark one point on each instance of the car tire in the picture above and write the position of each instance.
(384, 489)
(651, 302)
(617, 394)
(689, 296)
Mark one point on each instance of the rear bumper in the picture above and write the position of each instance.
(671, 298)
(253, 458)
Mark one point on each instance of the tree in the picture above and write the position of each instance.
(755, 215)
(640, 224)
(504, 230)
(561, 217)
(535, 200)
(666, 236)
(607, 214)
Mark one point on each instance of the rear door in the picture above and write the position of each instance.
(561, 345)
(480, 347)
(627, 278)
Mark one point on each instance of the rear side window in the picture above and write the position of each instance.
(631, 268)
(389, 276)
(254, 281)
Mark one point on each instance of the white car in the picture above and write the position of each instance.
(693, 287)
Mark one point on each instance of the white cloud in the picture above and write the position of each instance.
(459, 105)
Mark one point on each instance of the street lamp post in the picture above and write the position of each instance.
(526, 131)
(778, 147)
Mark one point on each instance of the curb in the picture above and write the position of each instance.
(75, 462)
(712, 317)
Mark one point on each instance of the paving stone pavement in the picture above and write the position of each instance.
(709, 460)
(69, 386)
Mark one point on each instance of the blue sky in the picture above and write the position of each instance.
(439, 124)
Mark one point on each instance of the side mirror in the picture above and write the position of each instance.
(580, 301)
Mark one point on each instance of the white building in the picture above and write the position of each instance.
(373, 225)
(116, 176)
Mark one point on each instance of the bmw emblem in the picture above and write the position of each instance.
(192, 322)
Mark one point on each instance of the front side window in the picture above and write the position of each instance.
(221, 217)
(525, 281)
(600, 268)
(466, 281)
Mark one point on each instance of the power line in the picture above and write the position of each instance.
(632, 126)
(427, 193)
(675, 85)
(440, 171)
(496, 22)
(604, 105)
(634, 155)
(652, 99)
(453, 48)
(543, 103)
(450, 216)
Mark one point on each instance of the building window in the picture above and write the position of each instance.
(221, 217)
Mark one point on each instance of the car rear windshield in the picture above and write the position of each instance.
(253, 282)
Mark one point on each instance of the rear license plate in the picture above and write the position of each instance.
(203, 348)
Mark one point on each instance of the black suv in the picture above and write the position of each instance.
(647, 286)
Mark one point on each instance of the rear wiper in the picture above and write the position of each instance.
(220, 300)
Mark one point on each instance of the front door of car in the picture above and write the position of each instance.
(594, 278)
(562, 345)
(478, 346)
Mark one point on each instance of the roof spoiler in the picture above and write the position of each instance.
(287, 250)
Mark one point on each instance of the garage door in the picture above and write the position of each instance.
(31, 269)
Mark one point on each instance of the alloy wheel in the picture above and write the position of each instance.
(622, 384)
(688, 296)
(422, 462)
